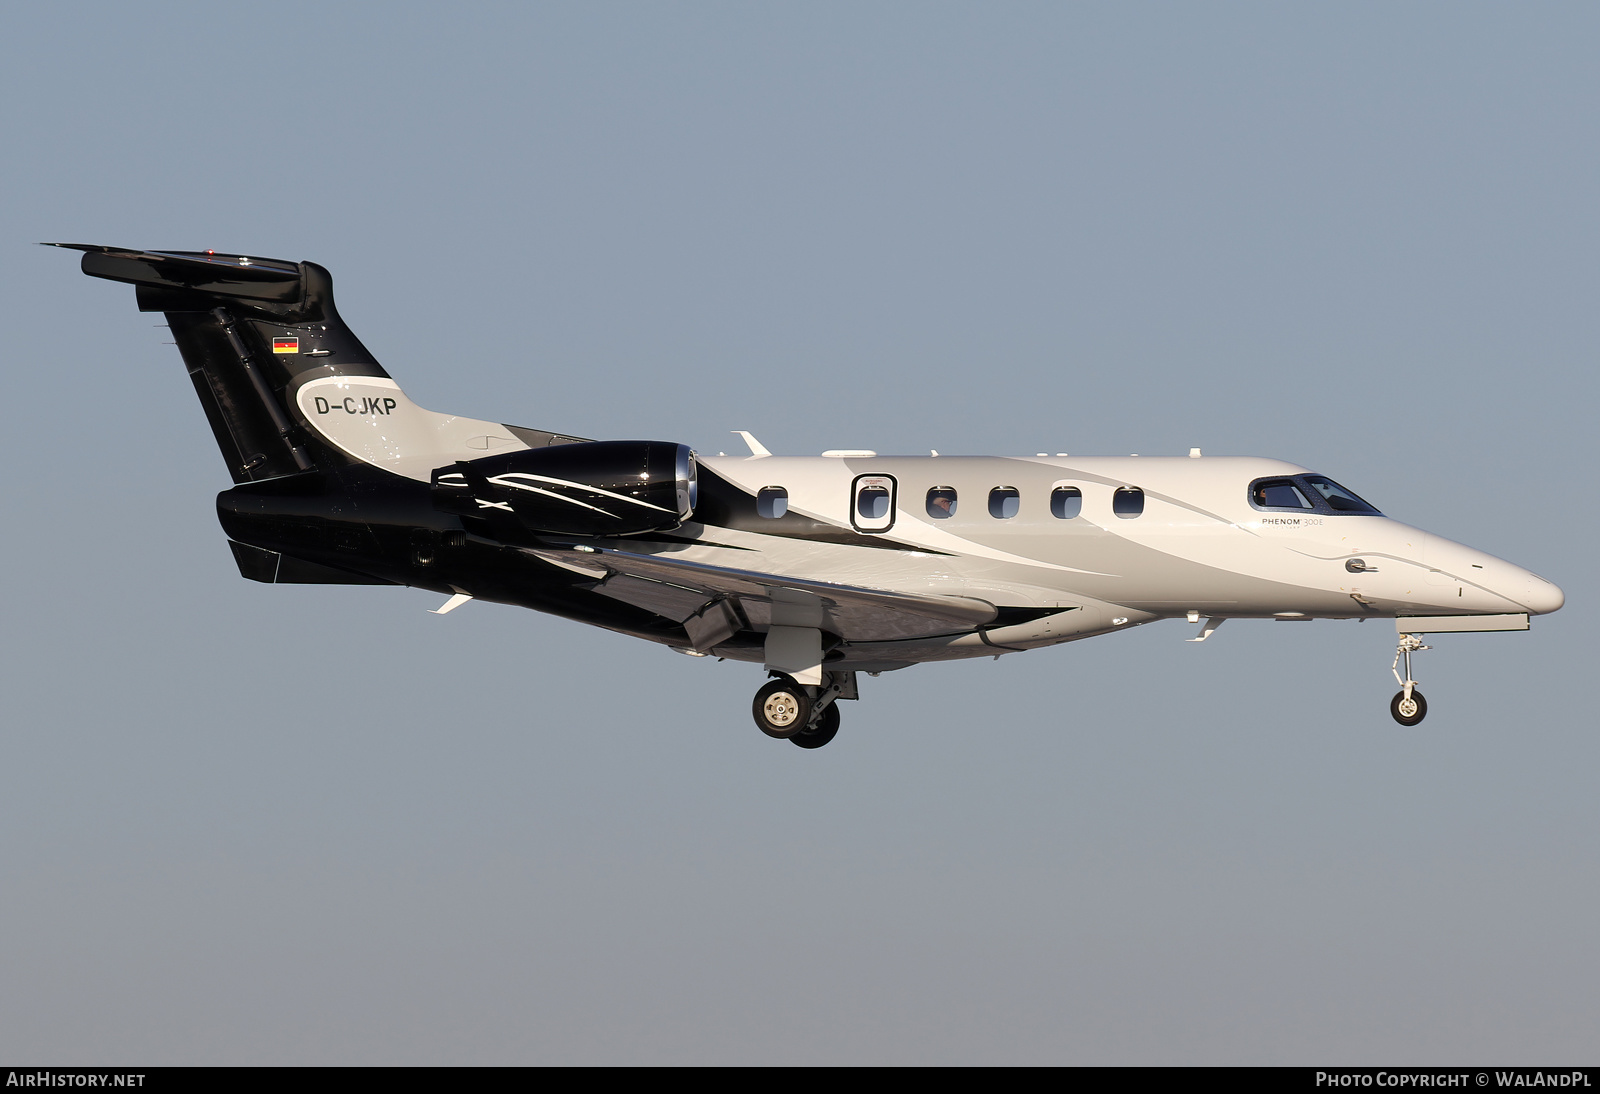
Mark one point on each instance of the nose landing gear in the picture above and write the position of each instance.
(807, 716)
(1408, 706)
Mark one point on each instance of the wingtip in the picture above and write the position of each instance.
(757, 449)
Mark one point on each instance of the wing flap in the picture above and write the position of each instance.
(668, 601)
(687, 591)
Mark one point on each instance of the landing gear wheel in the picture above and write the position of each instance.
(827, 726)
(1408, 712)
(782, 708)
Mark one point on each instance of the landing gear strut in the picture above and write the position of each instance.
(808, 716)
(1408, 706)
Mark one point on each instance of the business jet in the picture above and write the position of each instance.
(817, 568)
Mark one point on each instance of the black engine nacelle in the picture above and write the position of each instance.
(593, 488)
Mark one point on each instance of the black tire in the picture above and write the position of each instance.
(827, 726)
(1415, 716)
(781, 708)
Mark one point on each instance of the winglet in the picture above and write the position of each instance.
(757, 449)
(452, 604)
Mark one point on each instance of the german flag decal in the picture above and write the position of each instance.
(286, 345)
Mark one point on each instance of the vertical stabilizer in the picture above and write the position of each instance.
(251, 332)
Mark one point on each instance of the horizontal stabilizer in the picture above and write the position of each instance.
(242, 276)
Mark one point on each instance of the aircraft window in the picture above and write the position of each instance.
(1127, 502)
(1337, 497)
(1004, 501)
(772, 501)
(872, 503)
(1278, 494)
(1066, 502)
(942, 502)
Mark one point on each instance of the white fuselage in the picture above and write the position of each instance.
(1198, 545)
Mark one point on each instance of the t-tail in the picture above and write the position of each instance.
(338, 476)
(287, 386)
(251, 331)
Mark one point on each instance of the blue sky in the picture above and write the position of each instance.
(244, 824)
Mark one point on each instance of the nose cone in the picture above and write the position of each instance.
(1540, 596)
(1490, 585)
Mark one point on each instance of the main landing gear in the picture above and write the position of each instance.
(805, 715)
(1408, 706)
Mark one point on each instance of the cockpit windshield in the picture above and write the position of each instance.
(1306, 492)
(1279, 494)
(1338, 498)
